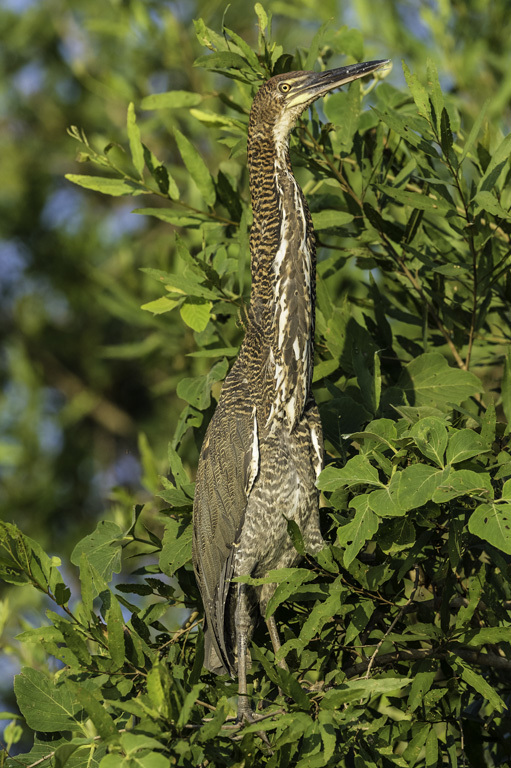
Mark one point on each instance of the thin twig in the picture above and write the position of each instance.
(473, 657)
(402, 611)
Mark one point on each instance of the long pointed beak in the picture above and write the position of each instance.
(319, 83)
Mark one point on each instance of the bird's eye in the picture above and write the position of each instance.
(284, 87)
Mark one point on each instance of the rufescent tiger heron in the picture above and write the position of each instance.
(263, 449)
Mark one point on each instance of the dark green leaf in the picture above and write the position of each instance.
(428, 380)
(45, 704)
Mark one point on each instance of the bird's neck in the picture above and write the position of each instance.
(283, 267)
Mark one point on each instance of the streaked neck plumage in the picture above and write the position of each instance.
(283, 270)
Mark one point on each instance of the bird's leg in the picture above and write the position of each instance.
(267, 591)
(275, 640)
(242, 619)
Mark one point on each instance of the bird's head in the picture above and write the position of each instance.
(282, 99)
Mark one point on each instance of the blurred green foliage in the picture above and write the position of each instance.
(414, 230)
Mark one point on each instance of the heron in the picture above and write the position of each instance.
(263, 449)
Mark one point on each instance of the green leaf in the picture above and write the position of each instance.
(432, 749)
(463, 482)
(430, 436)
(328, 729)
(181, 284)
(136, 148)
(196, 314)
(419, 93)
(430, 202)
(247, 51)
(322, 613)
(176, 218)
(286, 588)
(71, 635)
(115, 628)
(208, 37)
(362, 528)
(492, 522)
(197, 391)
(401, 125)
(506, 386)
(284, 679)
(211, 728)
(446, 138)
(103, 549)
(424, 673)
(465, 444)
(158, 688)
(113, 187)
(479, 684)
(25, 560)
(357, 471)
(177, 546)
(362, 360)
(314, 47)
(188, 704)
(133, 742)
(331, 219)
(221, 60)
(408, 489)
(46, 705)
(296, 537)
(262, 17)
(351, 42)
(196, 167)
(488, 202)
(171, 100)
(416, 745)
(343, 109)
(397, 534)
(474, 131)
(414, 485)
(499, 159)
(489, 425)
(161, 305)
(215, 352)
(436, 95)
(487, 635)
(97, 713)
(363, 690)
(429, 380)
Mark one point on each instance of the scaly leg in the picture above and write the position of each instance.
(242, 628)
(275, 639)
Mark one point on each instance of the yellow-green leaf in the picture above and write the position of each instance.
(196, 167)
(113, 187)
(196, 315)
(136, 148)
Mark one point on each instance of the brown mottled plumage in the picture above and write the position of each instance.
(263, 449)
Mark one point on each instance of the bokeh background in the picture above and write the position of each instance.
(87, 378)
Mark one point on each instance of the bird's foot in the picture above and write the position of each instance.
(246, 716)
(245, 711)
